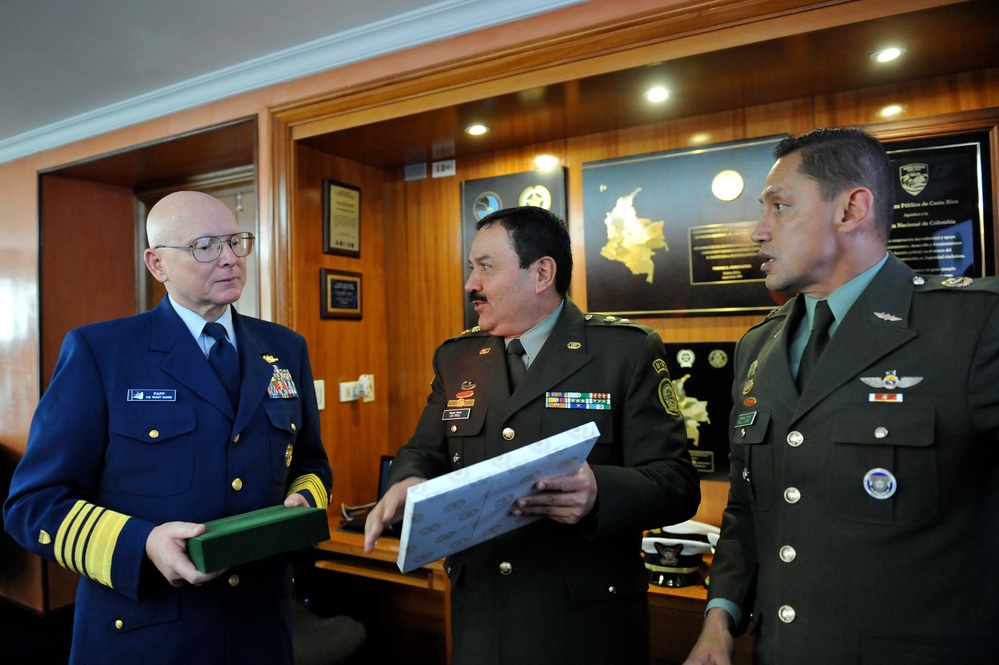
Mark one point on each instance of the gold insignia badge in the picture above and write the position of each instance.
(667, 396)
(287, 455)
(44, 538)
(485, 351)
(460, 403)
(574, 346)
(957, 281)
(467, 385)
(269, 359)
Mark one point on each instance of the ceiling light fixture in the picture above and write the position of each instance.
(476, 130)
(887, 54)
(545, 162)
(657, 94)
(891, 110)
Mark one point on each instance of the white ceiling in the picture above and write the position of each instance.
(70, 69)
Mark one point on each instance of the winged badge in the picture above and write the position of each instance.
(891, 380)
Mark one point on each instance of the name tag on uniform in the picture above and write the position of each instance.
(456, 414)
(151, 395)
(745, 419)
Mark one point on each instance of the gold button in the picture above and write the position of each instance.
(235, 439)
(119, 624)
(508, 433)
(454, 428)
(44, 538)
(233, 580)
(237, 484)
(294, 427)
(154, 434)
(506, 568)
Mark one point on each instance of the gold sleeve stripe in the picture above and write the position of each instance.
(312, 483)
(86, 540)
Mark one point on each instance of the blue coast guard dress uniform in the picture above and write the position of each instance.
(547, 592)
(136, 430)
(865, 510)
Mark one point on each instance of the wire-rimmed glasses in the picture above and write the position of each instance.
(209, 248)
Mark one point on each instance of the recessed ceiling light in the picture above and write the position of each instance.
(887, 54)
(891, 110)
(476, 130)
(545, 162)
(657, 94)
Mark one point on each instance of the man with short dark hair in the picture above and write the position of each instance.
(865, 482)
(571, 588)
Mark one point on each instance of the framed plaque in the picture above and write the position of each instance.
(702, 375)
(341, 218)
(668, 234)
(943, 205)
(340, 293)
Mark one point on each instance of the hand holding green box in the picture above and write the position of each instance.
(255, 535)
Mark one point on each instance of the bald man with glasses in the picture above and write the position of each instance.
(157, 423)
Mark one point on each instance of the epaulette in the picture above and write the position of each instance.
(608, 320)
(776, 312)
(940, 283)
(474, 331)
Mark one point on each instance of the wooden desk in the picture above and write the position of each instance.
(418, 606)
(408, 615)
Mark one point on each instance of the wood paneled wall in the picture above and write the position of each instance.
(423, 273)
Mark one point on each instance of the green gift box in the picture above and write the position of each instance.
(231, 541)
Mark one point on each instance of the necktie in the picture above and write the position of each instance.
(223, 358)
(515, 363)
(822, 318)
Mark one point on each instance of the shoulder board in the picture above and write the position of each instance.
(471, 332)
(776, 314)
(939, 283)
(615, 321)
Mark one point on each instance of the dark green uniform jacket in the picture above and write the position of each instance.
(865, 511)
(567, 594)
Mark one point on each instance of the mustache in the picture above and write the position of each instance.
(475, 296)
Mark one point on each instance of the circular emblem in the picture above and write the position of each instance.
(537, 196)
(880, 483)
(749, 401)
(486, 203)
(752, 369)
(667, 395)
(717, 358)
(685, 357)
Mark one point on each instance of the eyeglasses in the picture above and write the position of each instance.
(209, 248)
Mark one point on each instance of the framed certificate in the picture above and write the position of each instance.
(340, 294)
(341, 218)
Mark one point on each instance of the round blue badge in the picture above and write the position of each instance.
(880, 483)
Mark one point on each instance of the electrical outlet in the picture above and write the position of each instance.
(348, 391)
(366, 385)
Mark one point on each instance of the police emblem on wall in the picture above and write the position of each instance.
(702, 377)
(544, 189)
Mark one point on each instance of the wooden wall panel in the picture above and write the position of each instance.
(354, 433)
(88, 264)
